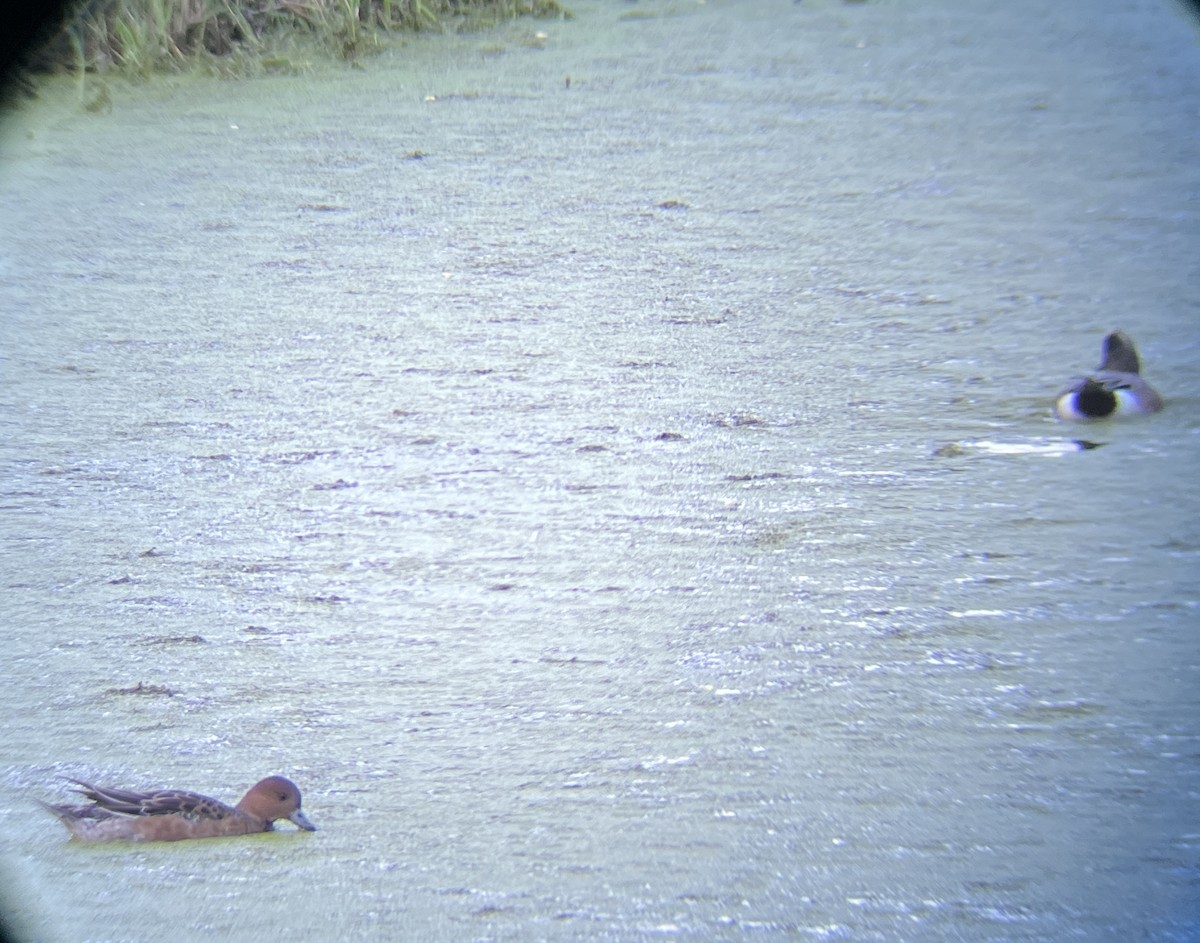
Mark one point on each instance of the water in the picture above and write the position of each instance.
(567, 508)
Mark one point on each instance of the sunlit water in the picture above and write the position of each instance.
(629, 507)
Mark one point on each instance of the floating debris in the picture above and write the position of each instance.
(142, 688)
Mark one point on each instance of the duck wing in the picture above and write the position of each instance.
(191, 805)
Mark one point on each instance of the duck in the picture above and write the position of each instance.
(1115, 389)
(174, 814)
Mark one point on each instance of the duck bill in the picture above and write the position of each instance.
(300, 820)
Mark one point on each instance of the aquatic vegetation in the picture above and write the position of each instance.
(140, 37)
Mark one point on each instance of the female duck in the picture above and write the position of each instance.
(173, 814)
(1115, 389)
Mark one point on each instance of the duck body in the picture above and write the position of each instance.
(174, 814)
(1115, 389)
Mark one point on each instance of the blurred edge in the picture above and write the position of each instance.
(25, 26)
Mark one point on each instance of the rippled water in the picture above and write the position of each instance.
(576, 487)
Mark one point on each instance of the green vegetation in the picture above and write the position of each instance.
(140, 37)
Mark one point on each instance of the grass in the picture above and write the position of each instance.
(137, 38)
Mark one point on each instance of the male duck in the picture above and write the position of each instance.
(1116, 388)
(172, 814)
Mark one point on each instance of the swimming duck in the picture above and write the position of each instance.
(172, 814)
(1116, 388)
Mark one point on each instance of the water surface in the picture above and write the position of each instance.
(551, 478)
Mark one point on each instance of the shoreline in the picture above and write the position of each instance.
(137, 39)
